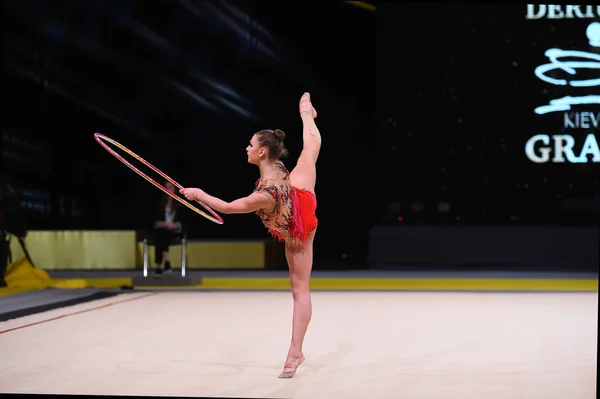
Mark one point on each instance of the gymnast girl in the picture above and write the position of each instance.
(286, 203)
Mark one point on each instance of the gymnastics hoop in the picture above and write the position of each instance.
(100, 138)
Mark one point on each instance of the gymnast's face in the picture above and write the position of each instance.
(255, 151)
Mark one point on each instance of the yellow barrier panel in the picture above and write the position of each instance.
(88, 249)
(79, 249)
(378, 284)
(214, 255)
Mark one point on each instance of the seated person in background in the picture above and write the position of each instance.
(167, 224)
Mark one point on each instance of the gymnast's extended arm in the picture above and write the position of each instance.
(249, 204)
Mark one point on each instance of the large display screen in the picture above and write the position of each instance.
(494, 108)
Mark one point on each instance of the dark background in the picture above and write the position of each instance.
(184, 84)
(418, 103)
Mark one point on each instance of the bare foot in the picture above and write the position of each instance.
(306, 106)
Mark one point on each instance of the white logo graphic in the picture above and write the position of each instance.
(571, 67)
(563, 143)
(593, 34)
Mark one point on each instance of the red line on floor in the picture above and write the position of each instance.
(78, 312)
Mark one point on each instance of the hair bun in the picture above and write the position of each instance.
(279, 134)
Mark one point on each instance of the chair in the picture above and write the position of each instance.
(179, 239)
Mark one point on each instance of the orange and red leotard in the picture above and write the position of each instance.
(293, 216)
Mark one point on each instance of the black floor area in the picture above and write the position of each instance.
(31, 302)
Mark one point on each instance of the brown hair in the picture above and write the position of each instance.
(273, 140)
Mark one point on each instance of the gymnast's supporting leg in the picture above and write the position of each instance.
(300, 264)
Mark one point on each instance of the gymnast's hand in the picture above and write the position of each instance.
(193, 194)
